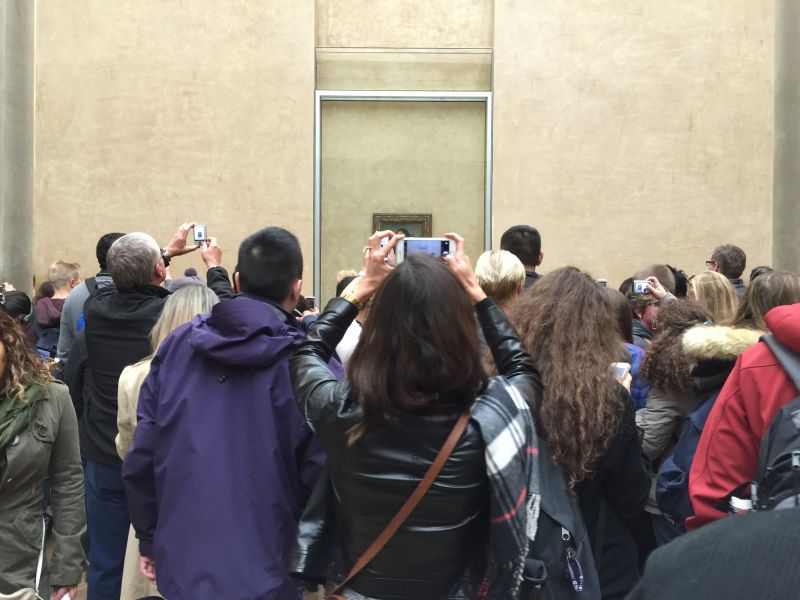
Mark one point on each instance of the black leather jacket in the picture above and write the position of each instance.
(440, 551)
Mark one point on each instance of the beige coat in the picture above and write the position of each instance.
(134, 584)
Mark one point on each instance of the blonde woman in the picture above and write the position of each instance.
(714, 292)
(501, 275)
(181, 307)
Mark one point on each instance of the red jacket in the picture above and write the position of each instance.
(755, 391)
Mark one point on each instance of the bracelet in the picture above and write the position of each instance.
(353, 300)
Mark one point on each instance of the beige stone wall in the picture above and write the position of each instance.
(405, 23)
(149, 113)
(627, 131)
(630, 132)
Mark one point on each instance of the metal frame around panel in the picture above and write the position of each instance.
(394, 96)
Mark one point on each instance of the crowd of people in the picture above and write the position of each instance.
(438, 431)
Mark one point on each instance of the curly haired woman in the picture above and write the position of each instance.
(38, 441)
(566, 323)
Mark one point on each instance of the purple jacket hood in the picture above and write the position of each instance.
(244, 332)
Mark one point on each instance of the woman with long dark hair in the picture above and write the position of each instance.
(416, 372)
(586, 416)
(38, 441)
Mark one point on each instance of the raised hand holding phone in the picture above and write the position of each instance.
(376, 265)
(459, 263)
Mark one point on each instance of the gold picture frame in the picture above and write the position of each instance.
(412, 224)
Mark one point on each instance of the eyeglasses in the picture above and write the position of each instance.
(711, 263)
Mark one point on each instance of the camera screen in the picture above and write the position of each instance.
(427, 246)
(199, 233)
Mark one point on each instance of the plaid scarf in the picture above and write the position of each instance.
(512, 466)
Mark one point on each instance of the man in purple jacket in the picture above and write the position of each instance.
(222, 461)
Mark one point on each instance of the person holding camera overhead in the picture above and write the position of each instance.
(417, 399)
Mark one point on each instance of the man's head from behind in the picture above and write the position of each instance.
(729, 260)
(524, 242)
(270, 266)
(134, 260)
(64, 275)
(103, 245)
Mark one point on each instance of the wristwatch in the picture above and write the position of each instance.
(351, 298)
(165, 257)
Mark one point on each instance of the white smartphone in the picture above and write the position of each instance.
(621, 369)
(200, 234)
(439, 247)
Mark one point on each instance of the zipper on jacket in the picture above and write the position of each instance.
(573, 570)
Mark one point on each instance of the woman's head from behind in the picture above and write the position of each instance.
(714, 292)
(567, 325)
(18, 305)
(621, 309)
(764, 293)
(665, 364)
(181, 307)
(501, 275)
(419, 349)
(20, 366)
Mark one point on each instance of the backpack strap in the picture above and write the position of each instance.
(789, 359)
(91, 285)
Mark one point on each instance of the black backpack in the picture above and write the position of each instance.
(560, 564)
(777, 483)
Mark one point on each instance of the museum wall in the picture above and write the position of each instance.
(635, 132)
(627, 132)
(151, 113)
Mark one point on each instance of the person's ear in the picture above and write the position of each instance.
(638, 313)
(236, 283)
(294, 294)
(159, 273)
(541, 257)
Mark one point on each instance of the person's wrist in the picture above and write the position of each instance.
(477, 294)
(360, 290)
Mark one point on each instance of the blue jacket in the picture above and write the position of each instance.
(640, 387)
(222, 460)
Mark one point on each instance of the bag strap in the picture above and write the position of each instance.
(409, 505)
(91, 285)
(788, 358)
(41, 559)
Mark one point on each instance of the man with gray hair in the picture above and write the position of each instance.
(118, 320)
(729, 260)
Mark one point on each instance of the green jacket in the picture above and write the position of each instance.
(48, 450)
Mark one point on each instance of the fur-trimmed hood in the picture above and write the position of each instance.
(718, 342)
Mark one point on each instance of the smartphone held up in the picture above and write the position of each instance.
(438, 247)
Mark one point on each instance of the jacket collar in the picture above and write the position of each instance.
(276, 308)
